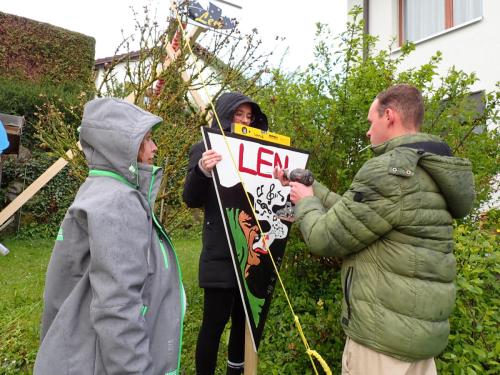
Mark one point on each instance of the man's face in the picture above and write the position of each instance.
(147, 150)
(243, 114)
(379, 125)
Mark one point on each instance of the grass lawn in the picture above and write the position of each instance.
(22, 276)
(314, 289)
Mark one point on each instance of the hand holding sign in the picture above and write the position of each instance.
(279, 174)
(209, 160)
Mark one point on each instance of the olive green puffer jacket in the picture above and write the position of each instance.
(394, 228)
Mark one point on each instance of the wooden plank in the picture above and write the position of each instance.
(171, 56)
(186, 78)
(251, 356)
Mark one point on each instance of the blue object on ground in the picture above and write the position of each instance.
(4, 141)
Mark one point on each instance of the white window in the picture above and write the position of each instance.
(422, 18)
(466, 10)
(419, 19)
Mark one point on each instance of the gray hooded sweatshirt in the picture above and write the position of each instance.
(114, 300)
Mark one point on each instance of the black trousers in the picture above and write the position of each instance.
(219, 305)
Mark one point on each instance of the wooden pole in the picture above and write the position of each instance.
(251, 356)
(186, 78)
(171, 56)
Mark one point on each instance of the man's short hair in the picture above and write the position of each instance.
(406, 100)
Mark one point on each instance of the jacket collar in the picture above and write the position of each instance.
(148, 180)
(391, 144)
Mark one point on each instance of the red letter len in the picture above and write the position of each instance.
(240, 162)
(261, 161)
(277, 161)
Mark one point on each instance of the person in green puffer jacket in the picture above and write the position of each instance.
(394, 229)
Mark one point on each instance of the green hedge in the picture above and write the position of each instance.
(42, 214)
(39, 52)
(24, 98)
(41, 63)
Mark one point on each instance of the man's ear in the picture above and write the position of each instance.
(390, 116)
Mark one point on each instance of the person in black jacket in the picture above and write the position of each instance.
(216, 273)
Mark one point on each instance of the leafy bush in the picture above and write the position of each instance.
(42, 215)
(325, 109)
(39, 64)
(325, 106)
(316, 296)
(473, 346)
(226, 62)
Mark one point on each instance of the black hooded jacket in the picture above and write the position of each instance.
(216, 268)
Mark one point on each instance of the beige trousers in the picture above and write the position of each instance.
(360, 360)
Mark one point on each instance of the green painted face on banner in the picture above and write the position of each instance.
(245, 231)
(252, 235)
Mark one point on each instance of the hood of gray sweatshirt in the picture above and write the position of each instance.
(111, 134)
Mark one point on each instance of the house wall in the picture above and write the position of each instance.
(472, 48)
(119, 72)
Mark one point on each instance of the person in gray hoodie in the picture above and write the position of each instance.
(114, 301)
